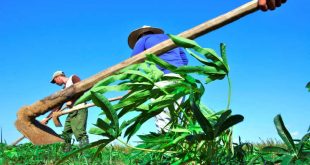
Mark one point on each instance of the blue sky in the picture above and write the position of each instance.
(268, 53)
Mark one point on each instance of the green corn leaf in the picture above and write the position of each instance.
(93, 144)
(253, 161)
(229, 122)
(135, 97)
(101, 89)
(221, 120)
(96, 131)
(160, 139)
(274, 149)
(155, 72)
(165, 101)
(107, 128)
(138, 75)
(176, 140)
(110, 80)
(132, 129)
(160, 62)
(287, 160)
(303, 142)
(210, 54)
(102, 102)
(84, 98)
(142, 118)
(134, 106)
(283, 133)
(205, 110)
(104, 89)
(203, 122)
(205, 70)
(200, 59)
(214, 77)
(144, 67)
(183, 42)
(100, 148)
(223, 55)
(182, 130)
(102, 124)
(127, 123)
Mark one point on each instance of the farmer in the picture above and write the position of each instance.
(76, 121)
(145, 38)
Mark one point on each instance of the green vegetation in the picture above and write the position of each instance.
(26, 154)
(197, 134)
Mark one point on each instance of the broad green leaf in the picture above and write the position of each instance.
(303, 142)
(142, 118)
(96, 131)
(229, 122)
(109, 130)
(180, 130)
(111, 79)
(283, 133)
(200, 59)
(127, 123)
(139, 74)
(203, 122)
(274, 149)
(102, 124)
(84, 98)
(133, 99)
(213, 77)
(287, 159)
(160, 62)
(176, 140)
(210, 54)
(223, 55)
(220, 121)
(133, 106)
(101, 89)
(205, 70)
(100, 148)
(104, 89)
(102, 102)
(183, 42)
(93, 144)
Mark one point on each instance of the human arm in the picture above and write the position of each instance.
(139, 47)
(265, 5)
(49, 116)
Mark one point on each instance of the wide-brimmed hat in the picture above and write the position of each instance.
(134, 35)
(57, 73)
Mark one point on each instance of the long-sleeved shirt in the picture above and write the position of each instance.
(176, 56)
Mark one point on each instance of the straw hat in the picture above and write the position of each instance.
(133, 36)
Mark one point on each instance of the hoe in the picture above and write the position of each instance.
(40, 134)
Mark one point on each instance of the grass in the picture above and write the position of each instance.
(48, 154)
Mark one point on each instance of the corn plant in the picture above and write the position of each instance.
(196, 134)
(294, 151)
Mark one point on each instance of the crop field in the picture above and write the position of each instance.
(197, 135)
